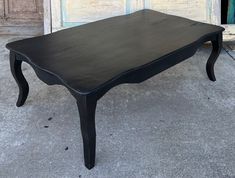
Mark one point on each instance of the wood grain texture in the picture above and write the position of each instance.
(21, 10)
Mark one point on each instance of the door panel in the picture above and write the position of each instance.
(77, 12)
(23, 10)
(21, 17)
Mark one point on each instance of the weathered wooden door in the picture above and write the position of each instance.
(26, 15)
(1, 10)
(68, 13)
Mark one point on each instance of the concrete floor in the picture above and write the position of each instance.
(177, 124)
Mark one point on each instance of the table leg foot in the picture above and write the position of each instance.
(19, 78)
(216, 48)
(87, 120)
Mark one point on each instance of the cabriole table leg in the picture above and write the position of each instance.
(216, 48)
(16, 71)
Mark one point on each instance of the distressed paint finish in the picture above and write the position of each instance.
(47, 17)
(214, 12)
(83, 11)
(195, 10)
(1, 10)
(21, 10)
(215, 18)
(26, 15)
(56, 15)
(76, 12)
(134, 5)
(200, 10)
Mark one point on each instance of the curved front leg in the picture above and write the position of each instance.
(19, 78)
(87, 107)
(217, 46)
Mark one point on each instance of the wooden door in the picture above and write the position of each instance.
(21, 13)
(1, 10)
(68, 13)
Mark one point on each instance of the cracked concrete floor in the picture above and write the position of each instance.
(177, 124)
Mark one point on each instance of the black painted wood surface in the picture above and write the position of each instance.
(91, 59)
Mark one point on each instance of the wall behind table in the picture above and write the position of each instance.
(67, 13)
(195, 9)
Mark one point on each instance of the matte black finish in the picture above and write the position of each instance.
(86, 107)
(217, 46)
(22, 83)
(91, 59)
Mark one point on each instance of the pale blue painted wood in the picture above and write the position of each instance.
(65, 17)
(65, 22)
(147, 4)
(64, 14)
(128, 6)
(72, 24)
(209, 9)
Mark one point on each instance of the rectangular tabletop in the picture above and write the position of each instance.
(90, 55)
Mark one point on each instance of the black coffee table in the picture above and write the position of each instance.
(91, 59)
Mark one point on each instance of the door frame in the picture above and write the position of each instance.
(214, 17)
(47, 16)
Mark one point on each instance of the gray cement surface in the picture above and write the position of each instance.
(177, 124)
(229, 46)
